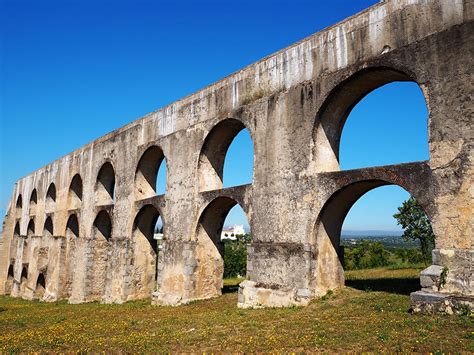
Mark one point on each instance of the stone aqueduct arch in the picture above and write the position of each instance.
(81, 225)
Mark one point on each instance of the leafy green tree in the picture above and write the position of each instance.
(366, 255)
(416, 225)
(235, 256)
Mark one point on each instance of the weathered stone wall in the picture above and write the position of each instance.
(294, 104)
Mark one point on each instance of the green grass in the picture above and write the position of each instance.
(371, 315)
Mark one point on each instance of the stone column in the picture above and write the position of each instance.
(176, 279)
(81, 264)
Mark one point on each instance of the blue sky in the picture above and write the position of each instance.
(71, 71)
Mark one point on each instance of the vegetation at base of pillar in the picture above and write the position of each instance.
(416, 225)
(235, 256)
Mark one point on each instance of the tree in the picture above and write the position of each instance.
(416, 225)
(235, 256)
(366, 255)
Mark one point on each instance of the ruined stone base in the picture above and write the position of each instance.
(252, 295)
(446, 285)
(49, 297)
(434, 302)
(162, 299)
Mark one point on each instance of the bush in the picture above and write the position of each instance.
(366, 255)
(369, 254)
(235, 256)
(409, 256)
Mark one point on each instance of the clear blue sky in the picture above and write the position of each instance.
(71, 71)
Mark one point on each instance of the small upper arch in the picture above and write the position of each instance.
(338, 104)
(213, 216)
(102, 226)
(50, 196)
(105, 184)
(213, 153)
(48, 229)
(72, 226)
(145, 223)
(14, 241)
(33, 201)
(19, 202)
(75, 192)
(31, 228)
(147, 171)
(24, 274)
(16, 231)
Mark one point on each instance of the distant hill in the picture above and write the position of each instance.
(370, 233)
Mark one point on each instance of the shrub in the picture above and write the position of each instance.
(366, 255)
(235, 256)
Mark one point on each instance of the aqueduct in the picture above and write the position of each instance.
(81, 228)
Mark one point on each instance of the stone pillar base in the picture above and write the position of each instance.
(446, 286)
(49, 297)
(434, 302)
(253, 295)
(76, 300)
(160, 299)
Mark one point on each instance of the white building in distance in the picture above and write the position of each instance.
(231, 233)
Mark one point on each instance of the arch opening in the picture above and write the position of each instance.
(24, 274)
(50, 197)
(151, 173)
(33, 201)
(30, 232)
(9, 281)
(40, 286)
(48, 230)
(75, 192)
(72, 226)
(103, 226)
(376, 109)
(228, 137)
(34, 197)
(10, 274)
(51, 193)
(221, 251)
(16, 231)
(23, 278)
(147, 234)
(105, 185)
(15, 241)
(340, 250)
(19, 202)
(31, 228)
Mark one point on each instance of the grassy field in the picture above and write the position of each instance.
(370, 314)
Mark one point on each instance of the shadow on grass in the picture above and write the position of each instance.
(401, 286)
(230, 289)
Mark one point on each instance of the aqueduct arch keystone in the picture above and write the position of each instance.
(294, 103)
